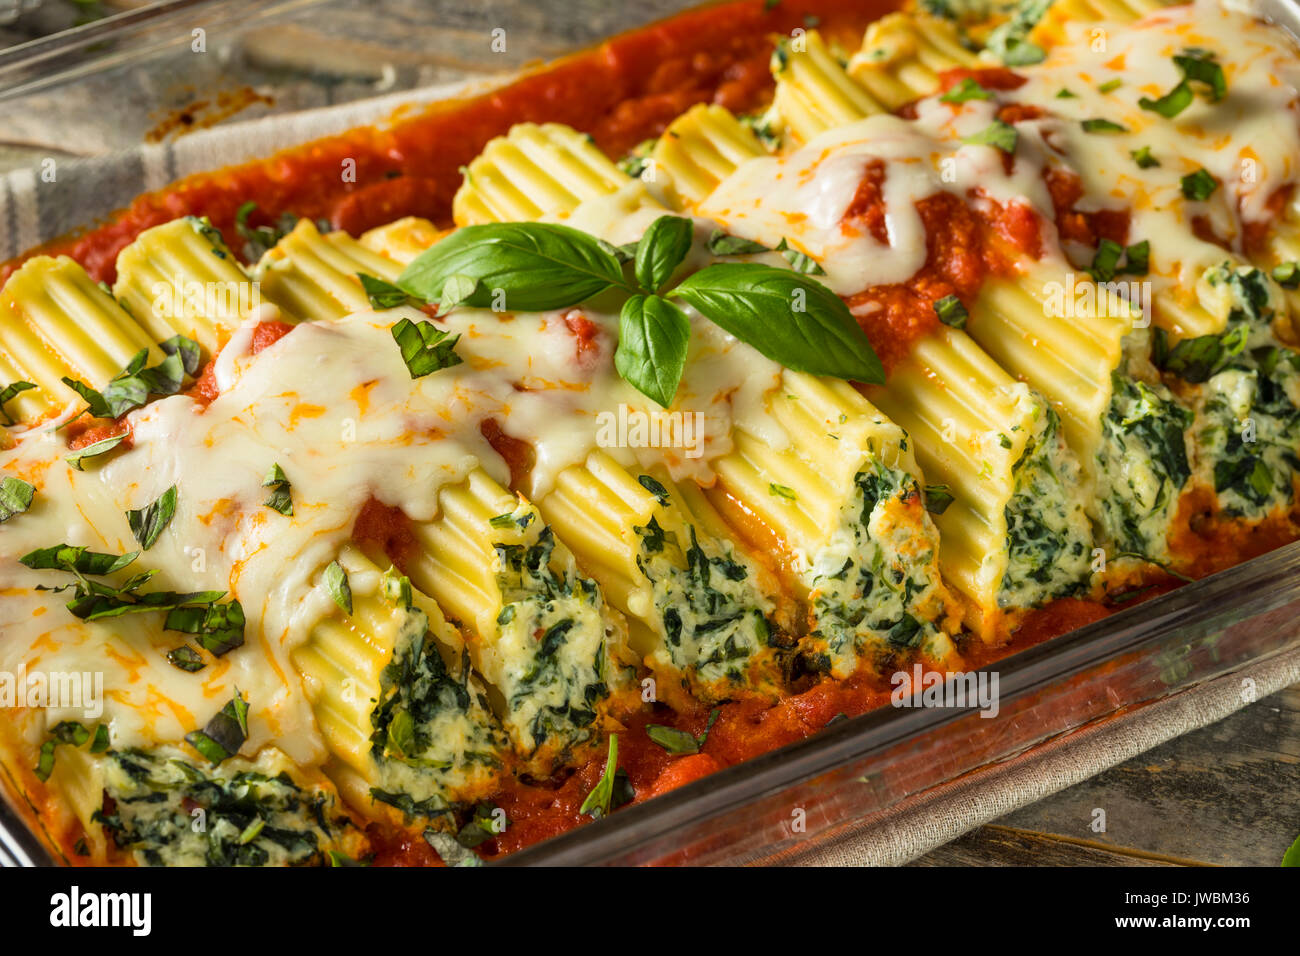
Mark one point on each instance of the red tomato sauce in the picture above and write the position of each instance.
(965, 243)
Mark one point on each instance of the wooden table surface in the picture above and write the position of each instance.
(1227, 794)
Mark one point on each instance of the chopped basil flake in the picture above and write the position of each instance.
(281, 497)
(676, 742)
(951, 312)
(186, 658)
(425, 347)
(11, 391)
(1172, 103)
(1000, 135)
(385, 295)
(94, 450)
(224, 734)
(16, 497)
(964, 91)
(1102, 126)
(1287, 275)
(1142, 156)
(147, 523)
(336, 583)
(937, 498)
(1199, 186)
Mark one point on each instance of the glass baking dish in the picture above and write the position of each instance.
(113, 84)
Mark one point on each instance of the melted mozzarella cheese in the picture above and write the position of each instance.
(335, 407)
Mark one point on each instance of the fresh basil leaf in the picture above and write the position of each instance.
(966, 91)
(281, 497)
(147, 523)
(383, 295)
(600, 801)
(676, 742)
(224, 734)
(534, 266)
(1142, 156)
(219, 628)
(937, 498)
(722, 244)
(15, 497)
(425, 347)
(787, 317)
(336, 583)
(800, 262)
(11, 391)
(1199, 186)
(951, 312)
(186, 658)
(1172, 103)
(653, 339)
(998, 134)
(1102, 126)
(131, 387)
(661, 250)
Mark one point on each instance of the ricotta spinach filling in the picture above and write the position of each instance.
(550, 642)
(1246, 390)
(875, 588)
(1049, 540)
(713, 618)
(168, 812)
(435, 740)
(1142, 463)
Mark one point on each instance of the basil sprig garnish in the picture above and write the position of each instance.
(532, 267)
(11, 391)
(16, 497)
(224, 734)
(147, 523)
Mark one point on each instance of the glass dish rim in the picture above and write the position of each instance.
(1254, 581)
